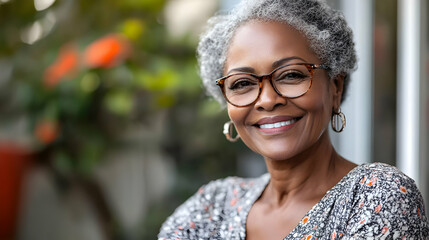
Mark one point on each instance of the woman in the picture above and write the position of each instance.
(282, 67)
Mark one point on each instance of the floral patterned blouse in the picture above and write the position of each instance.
(373, 201)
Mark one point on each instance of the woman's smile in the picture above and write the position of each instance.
(276, 125)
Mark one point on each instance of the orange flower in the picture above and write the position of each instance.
(192, 224)
(384, 230)
(233, 201)
(372, 181)
(46, 131)
(304, 220)
(106, 52)
(65, 64)
(378, 208)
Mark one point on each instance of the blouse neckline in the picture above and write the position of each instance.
(262, 185)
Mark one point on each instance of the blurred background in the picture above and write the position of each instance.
(105, 128)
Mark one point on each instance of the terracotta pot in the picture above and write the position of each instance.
(13, 162)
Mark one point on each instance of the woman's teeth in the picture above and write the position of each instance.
(278, 124)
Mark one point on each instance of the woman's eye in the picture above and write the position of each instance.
(291, 77)
(242, 84)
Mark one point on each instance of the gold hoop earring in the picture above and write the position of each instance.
(228, 129)
(336, 116)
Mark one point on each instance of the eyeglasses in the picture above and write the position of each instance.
(290, 81)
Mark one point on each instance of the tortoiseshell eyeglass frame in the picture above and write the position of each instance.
(311, 67)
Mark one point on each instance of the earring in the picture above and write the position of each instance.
(336, 116)
(228, 128)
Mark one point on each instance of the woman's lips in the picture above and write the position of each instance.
(276, 125)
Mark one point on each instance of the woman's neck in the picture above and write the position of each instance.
(307, 176)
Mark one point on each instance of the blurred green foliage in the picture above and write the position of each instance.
(77, 111)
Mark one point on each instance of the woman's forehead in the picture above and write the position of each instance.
(267, 42)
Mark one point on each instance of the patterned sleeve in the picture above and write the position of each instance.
(388, 206)
(189, 221)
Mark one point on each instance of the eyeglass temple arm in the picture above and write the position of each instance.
(320, 66)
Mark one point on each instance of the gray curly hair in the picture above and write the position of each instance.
(329, 36)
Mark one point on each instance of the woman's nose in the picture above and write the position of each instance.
(269, 98)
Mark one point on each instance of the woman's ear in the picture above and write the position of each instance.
(337, 90)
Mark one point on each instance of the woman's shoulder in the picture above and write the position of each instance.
(378, 168)
(383, 181)
(380, 175)
(219, 192)
(385, 199)
(209, 206)
(233, 185)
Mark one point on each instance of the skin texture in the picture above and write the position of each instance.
(300, 158)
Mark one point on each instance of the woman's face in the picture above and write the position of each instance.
(259, 47)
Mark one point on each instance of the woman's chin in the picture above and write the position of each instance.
(286, 150)
(279, 154)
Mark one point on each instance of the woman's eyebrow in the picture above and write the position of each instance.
(276, 64)
(282, 61)
(241, 69)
